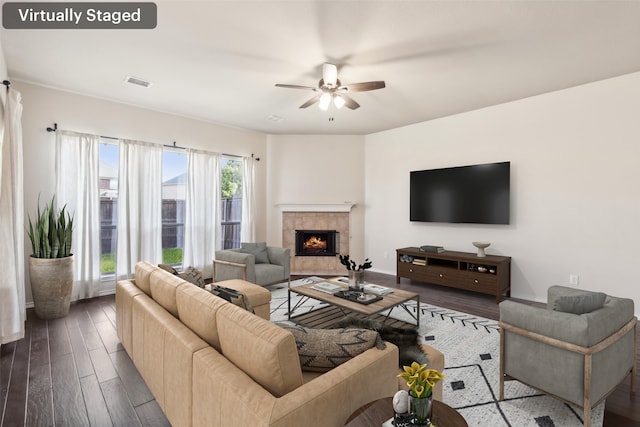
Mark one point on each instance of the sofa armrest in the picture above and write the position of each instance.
(228, 397)
(333, 396)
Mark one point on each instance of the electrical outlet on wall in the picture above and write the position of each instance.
(573, 279)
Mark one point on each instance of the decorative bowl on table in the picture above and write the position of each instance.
(481, 247)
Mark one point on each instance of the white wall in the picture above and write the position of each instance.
(575, 181)
(42, 107)
(314, 169)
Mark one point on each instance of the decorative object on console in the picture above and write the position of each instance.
(356, 275)
(421, 381)
(481, 247)
(432, 248)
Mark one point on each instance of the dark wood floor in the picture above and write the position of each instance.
(74, 371)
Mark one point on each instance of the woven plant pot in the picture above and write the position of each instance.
(51, 285)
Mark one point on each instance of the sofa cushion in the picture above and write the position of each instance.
(143, 272)
(264, 351)
(323, 349)
(269, 273)
(163, 289)
(585, 302)
(197, 310)
(259, 251)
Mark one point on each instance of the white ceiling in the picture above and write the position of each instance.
(219, 60)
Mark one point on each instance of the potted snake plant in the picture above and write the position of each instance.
(51, 264)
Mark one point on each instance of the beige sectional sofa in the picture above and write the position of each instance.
(211, 363)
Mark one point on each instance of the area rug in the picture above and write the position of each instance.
(471, 346)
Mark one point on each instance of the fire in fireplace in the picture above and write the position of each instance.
(317, 242)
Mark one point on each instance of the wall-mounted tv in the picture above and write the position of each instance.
(475, 194)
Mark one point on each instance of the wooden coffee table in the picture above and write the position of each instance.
(339, 307)
(376, 413)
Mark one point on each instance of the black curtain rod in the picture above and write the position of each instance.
(55, 128)
(6, 83)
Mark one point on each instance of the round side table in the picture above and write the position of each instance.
(379, 411)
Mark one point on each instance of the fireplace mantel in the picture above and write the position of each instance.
(316, 207)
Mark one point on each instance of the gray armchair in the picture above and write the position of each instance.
(572, 350)
(254, 262)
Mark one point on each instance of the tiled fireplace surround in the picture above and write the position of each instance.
(315, 217)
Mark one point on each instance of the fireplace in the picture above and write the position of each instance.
(317, 242)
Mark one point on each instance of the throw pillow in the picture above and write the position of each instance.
(321, 350)
(233, 296)
(167, 267)
(580, 304)
(406, 339)
(259, 251)
(192, 275)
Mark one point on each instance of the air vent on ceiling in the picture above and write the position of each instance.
(137, 81)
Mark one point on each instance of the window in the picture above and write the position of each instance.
(108, 171)
(174, 175)
(231, 201)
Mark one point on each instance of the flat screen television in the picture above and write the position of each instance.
(476, 194)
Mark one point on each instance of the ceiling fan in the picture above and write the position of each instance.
(331, 89)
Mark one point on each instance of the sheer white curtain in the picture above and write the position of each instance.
(12, 264)
(139, 206)
(77, 186)
(202, 210)
(248, 227)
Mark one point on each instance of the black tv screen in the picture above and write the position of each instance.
(477, 194)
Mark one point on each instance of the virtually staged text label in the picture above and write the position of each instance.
(19, 15)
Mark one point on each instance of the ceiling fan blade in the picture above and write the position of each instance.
(311, 101)
(348, 102)
(295, 86)
(365, 86)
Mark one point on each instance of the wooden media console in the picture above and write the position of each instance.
(488, 275)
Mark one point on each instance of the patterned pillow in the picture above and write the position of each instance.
(233, 296)
(167, 267)
(192, 275)
(321, 350)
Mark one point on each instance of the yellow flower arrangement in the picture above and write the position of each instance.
(420, 380)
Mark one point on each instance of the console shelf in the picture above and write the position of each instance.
(488, 275)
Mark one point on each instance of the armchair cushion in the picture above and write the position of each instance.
(580, 304)
(258, 250)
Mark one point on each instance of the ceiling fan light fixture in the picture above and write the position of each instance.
(338, 101)
(330, 74)
(325, 100)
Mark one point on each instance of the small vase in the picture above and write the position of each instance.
(421, 410)
(356, 278)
